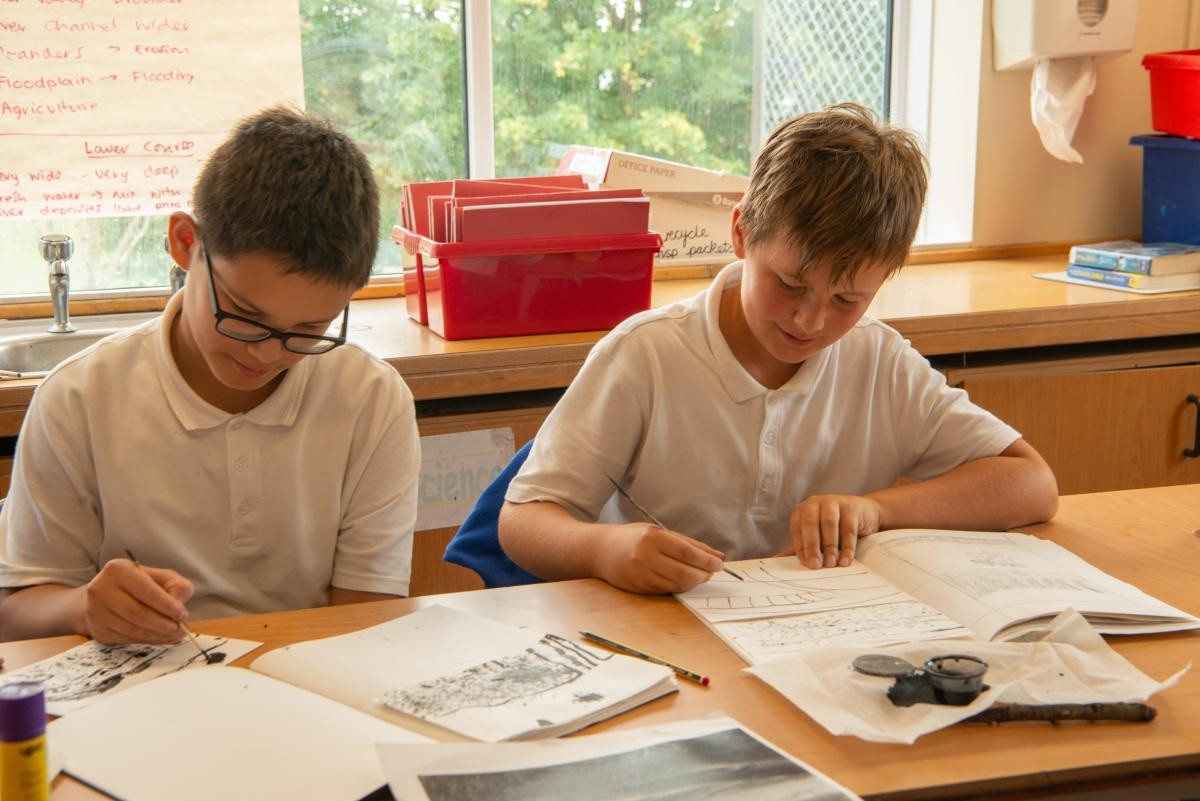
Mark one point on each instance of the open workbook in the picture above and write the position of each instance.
(917, 584)
(482, 679)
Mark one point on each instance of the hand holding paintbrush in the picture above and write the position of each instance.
(188, 632)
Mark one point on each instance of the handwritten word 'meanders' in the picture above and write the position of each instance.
(21, 111)
(42, 54)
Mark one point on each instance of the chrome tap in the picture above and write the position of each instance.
(178, 274)
(57, 250)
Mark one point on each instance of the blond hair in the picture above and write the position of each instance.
(842, 188)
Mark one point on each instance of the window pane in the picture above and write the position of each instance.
(389, 72)
(665, 78)
(815, 53)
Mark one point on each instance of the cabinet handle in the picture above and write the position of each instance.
(1194, 451)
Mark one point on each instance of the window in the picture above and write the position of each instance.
(696, 81)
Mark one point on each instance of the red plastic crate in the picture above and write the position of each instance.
(474, 290)
(1175, 91)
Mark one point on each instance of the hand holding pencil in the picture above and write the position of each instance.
(652, 558)
(129, 602)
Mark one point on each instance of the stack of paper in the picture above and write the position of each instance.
(483, 679)
(534, 207)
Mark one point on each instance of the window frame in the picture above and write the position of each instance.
(940, 105)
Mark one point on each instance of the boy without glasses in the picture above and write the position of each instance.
(247, 457)
(767, 415)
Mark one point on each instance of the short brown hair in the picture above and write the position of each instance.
(843, 189)
(293, 186)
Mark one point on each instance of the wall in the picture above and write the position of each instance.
(1022, 193)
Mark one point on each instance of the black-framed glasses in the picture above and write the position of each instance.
(246, 330)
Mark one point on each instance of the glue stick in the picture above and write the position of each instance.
(23, 742)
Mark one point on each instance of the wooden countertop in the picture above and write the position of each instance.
(950, 307)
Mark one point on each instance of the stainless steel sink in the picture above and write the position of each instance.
(34, 355)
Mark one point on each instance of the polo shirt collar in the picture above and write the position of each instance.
(194, 413)
(737, 381)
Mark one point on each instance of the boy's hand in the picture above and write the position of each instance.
(641, 557)
(133, 603)
(825, 528)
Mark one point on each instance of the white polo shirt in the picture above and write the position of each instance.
(664, 407)
(263, 511)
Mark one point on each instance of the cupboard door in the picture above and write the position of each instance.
(1101, 431)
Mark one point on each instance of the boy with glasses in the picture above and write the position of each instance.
(249, 458)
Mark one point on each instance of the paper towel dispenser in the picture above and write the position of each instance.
(1024, 31)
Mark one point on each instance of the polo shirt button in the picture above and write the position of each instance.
(770, 437)
(240, 464)
(245, 507)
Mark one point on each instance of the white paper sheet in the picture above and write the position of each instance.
(1073, 665)
(226, 734)
(715, 759)
(776, 607)
(474, 676)
(87, 672)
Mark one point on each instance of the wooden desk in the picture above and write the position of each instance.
(1146, 537)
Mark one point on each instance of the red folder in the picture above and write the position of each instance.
(535, 220)
(460, 203)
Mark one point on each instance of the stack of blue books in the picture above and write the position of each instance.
(1125, 264)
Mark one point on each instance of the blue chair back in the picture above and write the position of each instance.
(476, 544)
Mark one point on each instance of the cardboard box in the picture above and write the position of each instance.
(689, 206)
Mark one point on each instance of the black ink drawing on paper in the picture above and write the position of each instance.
(93, 669)
(551, 663)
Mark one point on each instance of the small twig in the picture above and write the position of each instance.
(1006, 713)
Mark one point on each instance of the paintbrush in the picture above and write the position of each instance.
(191, 635)
(651, 518)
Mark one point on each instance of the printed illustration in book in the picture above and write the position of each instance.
(478, 677)
(918, 584)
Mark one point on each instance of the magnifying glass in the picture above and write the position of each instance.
(956, 679)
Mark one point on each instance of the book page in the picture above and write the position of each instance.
(766, 608)
(989, 581)
(471, 675)
(226, 734)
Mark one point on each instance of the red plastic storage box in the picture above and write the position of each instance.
(1175, 91)
(475, 290)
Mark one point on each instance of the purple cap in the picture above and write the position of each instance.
(22, 711)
